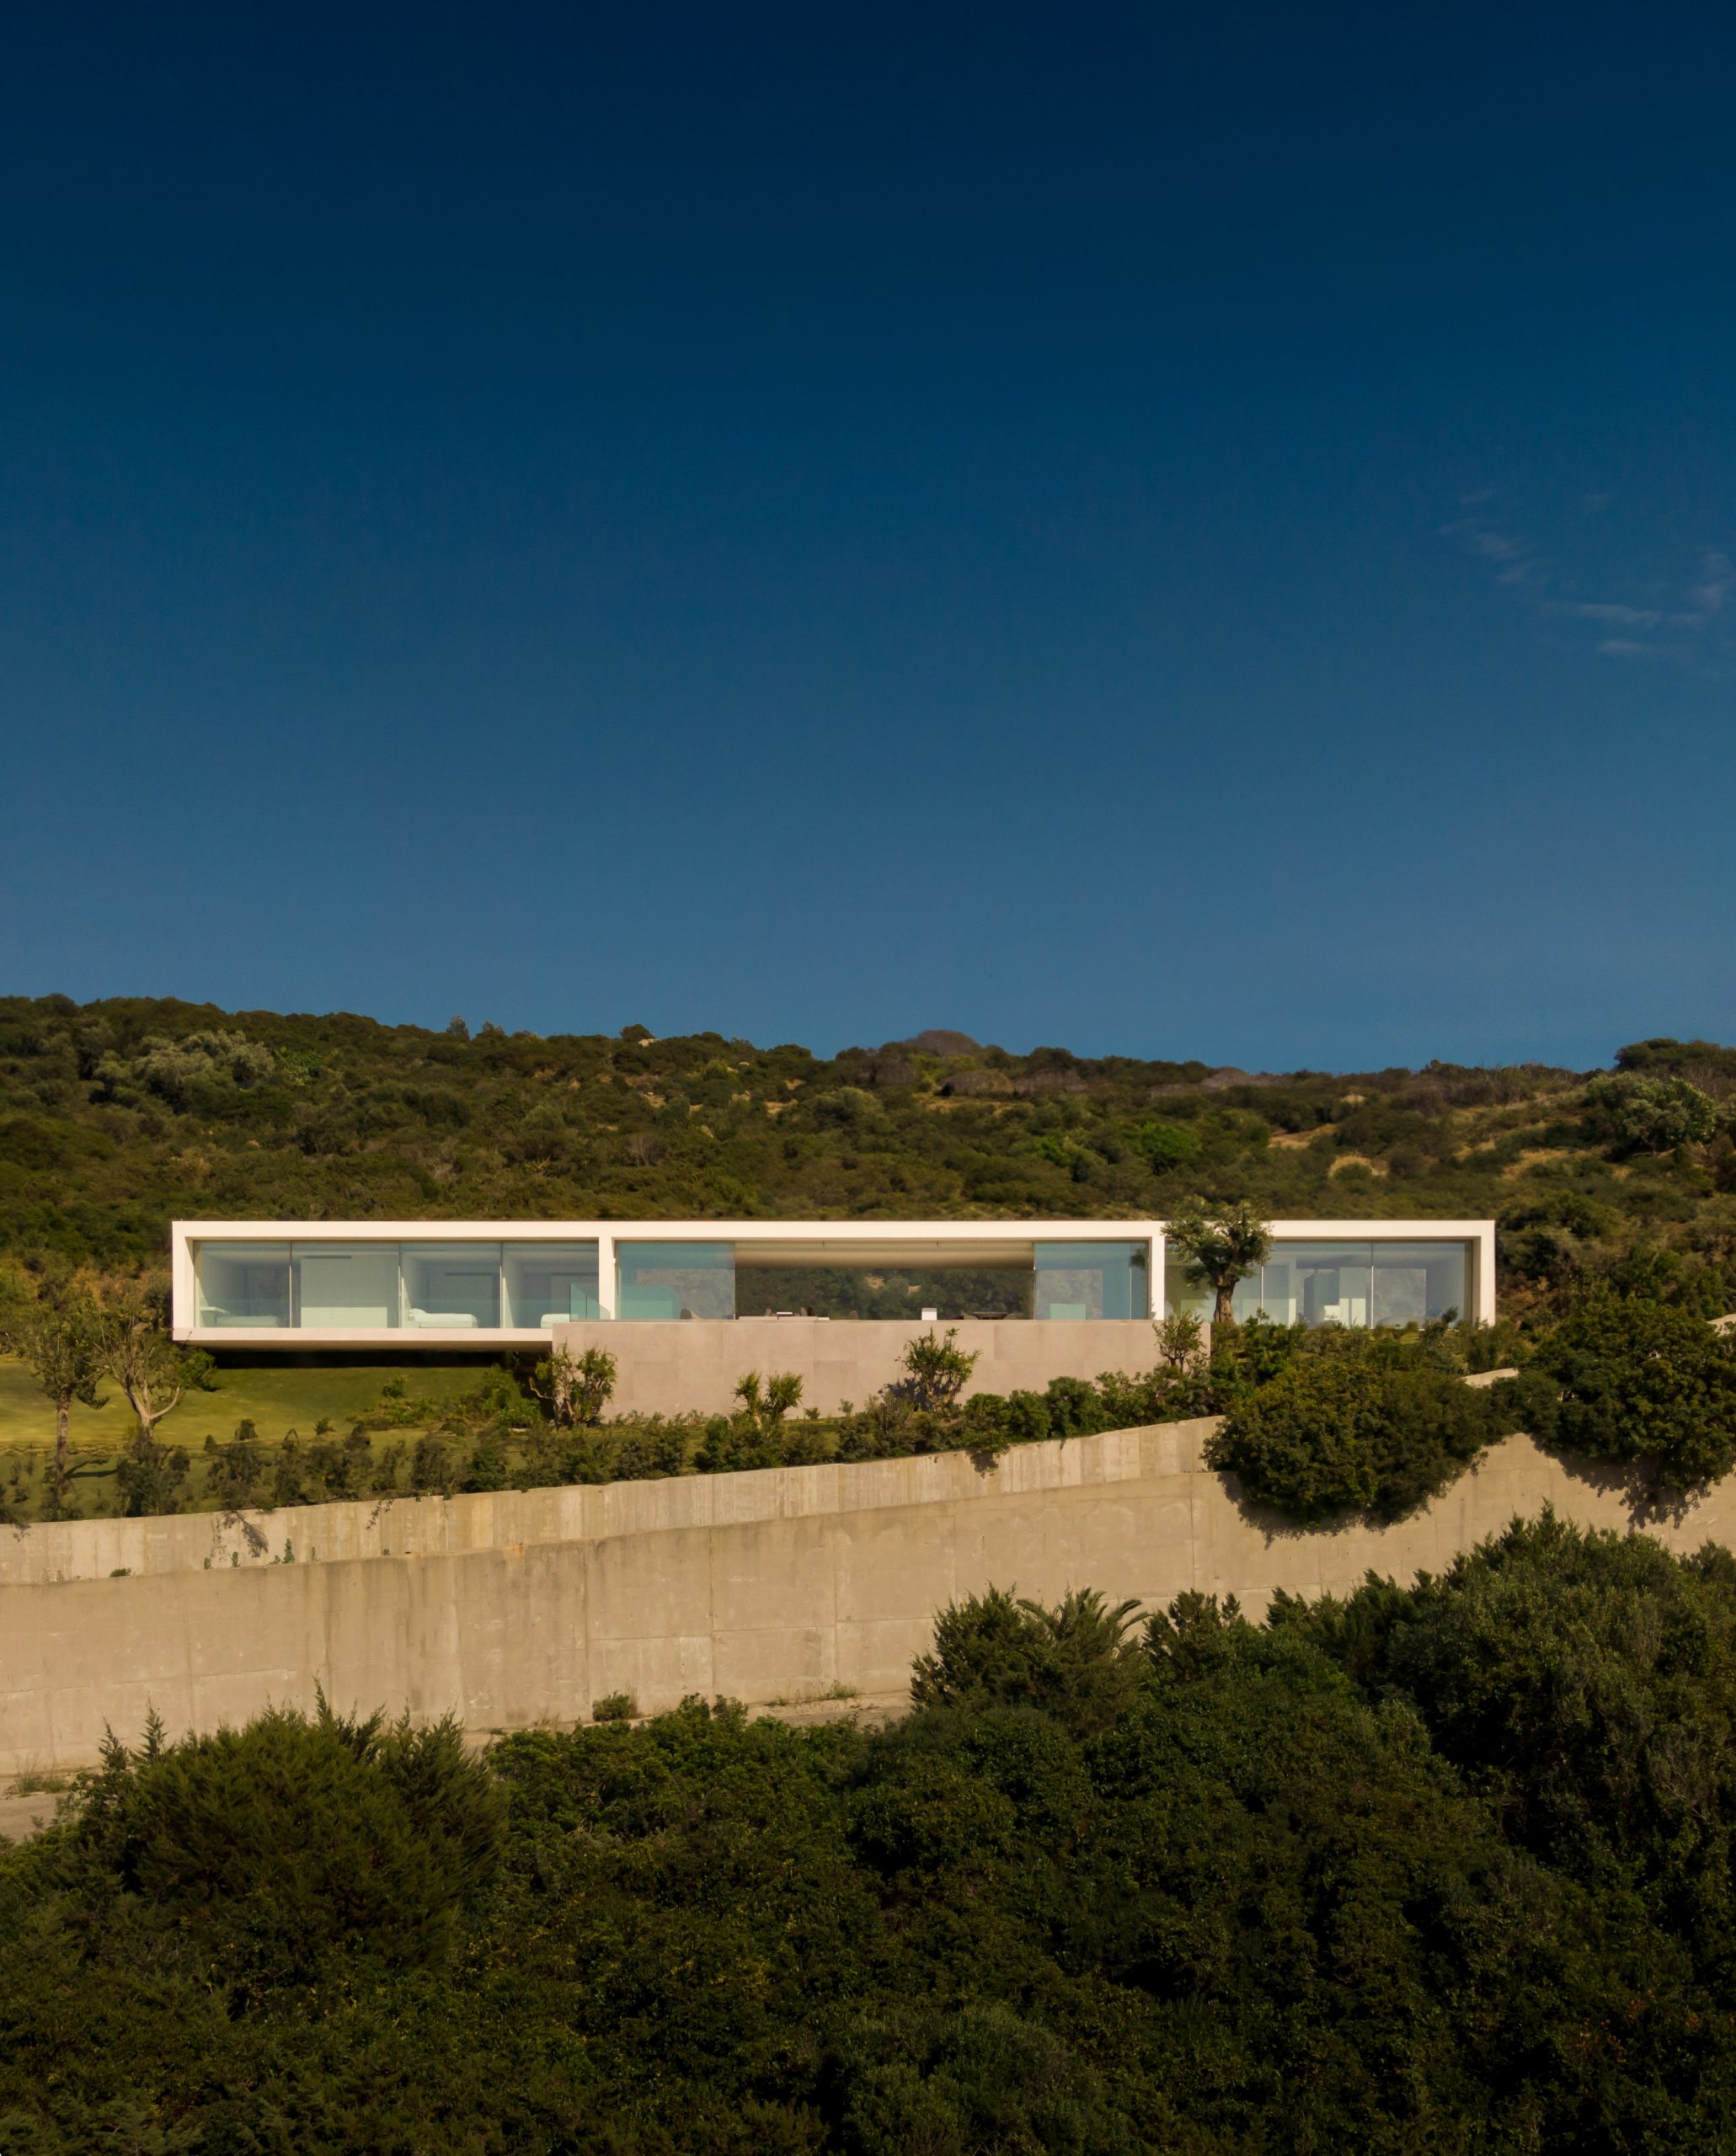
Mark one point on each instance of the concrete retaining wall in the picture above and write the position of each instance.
(669, 1366)
(517, 1607)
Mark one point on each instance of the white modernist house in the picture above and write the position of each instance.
(404, 1284)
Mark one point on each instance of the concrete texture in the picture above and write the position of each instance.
(517, 1608)
(675, 1365)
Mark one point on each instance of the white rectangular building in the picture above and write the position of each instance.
(407, 1284)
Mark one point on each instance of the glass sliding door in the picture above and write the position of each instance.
(1329, 1282)
(451, 1287)
(548, 1283)
(662, 1280)
(242, 1285)
(346, 1287)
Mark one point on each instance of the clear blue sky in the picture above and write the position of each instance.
(1183, 531)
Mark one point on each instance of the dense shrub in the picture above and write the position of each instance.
(1639, 1381)
(263, 1857)
(1350, 1433)
(1585, 1683)
(1641, 1113)
(996, 1649)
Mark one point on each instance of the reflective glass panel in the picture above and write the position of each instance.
(548, 1283)
(1180, 1294)
(1416, 1282)
(676, 1279)
(897, 1291)
(451, 1287)
(346, 1286)
(1090, 1280)
(243, 1283)
(1329, 1281)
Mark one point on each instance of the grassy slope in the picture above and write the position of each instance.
(276, 1401)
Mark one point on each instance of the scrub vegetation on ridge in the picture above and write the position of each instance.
(117, 1117)
(1613, 1191)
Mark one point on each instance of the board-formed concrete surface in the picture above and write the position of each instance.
(518, 1607)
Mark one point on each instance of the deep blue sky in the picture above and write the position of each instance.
(1170, 531)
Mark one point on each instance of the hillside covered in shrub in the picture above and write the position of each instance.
(116, 1117)
(1444, 1868)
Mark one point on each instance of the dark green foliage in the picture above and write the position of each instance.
(292, 1851)
(150, 1477)
(648, 1454)
(1437, 1869)
(1349, 1433)
(1074, 1662)
(1640, 1380)
(1586, 1685)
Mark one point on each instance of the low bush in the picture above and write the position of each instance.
(1352, 1432)
(1633, 1380)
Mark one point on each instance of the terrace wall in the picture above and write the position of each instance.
(524, 1607)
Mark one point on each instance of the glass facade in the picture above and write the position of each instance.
(675, 1280)
(1076, 1280)
(355, 1286)
(1333, 1282)
(527, 1284)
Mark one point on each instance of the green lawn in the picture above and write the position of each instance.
(277, 1400)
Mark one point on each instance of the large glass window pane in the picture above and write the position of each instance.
(243, 1283)
(1415, 1281)
(1329, 1282)
(451, 1287)
(548, 1283)
(1180, 1295)
(676, 1279)
(1279, 1296)
(350, 1287)
(1090, 1280)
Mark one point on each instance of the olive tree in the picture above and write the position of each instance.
(57, 1331)
(1220, 1248)
(138, 1352)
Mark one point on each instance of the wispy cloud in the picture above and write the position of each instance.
(1513, 558)
(1691, 625)
(1628, 617)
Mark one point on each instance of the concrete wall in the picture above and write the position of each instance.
(518, 1607)
(670, 1366)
